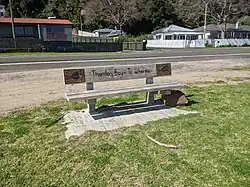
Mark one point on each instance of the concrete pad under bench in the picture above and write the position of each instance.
(115, 117)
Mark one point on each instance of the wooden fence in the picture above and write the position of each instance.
(8, 45)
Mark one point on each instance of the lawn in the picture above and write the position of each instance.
(54, 53)
(239, 68)
(214, 146)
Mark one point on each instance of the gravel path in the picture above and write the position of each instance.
(25, 89)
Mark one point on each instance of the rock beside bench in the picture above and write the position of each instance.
(175, 98)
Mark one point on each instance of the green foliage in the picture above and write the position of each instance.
(209, 45)
(160, 12)
(25, 8)
(131, 38)
(245, 20)
(244, 45)
(150, 14)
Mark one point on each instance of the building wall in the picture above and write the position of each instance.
(21, 31)
(230, 34)
(56, 32)
(179, 36)
(5, 31)
(47, 32)
(26, 31)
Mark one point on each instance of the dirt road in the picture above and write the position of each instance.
(25, 89)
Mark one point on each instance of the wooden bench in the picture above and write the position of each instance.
(90, 75)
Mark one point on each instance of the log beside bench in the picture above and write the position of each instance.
(90, 75)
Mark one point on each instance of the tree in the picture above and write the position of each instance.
(160, 12)
(25, 8)
(65, 9)
(219, 11)
(245, 20)
(115, 12)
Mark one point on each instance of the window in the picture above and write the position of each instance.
(19, 30)
(58, 29)
(244, 36)
(181, 37)
(168, 37)
(56, 32)
(158, 37)
(194, 37)
(54, 28)
(24, 30)
(28, 30)
(49, 28)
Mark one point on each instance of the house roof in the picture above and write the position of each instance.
(172, 28)
(84, 33)
(36, 21)
(109, 32)
(104, 30)
(115, 33)
(230, 26)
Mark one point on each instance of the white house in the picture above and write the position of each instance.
(174, 32)
(233, 31)
(175, 36)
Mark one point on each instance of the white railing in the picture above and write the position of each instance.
(166, 44)
(195, 43)
(233, 42)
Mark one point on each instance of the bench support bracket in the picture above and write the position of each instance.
(91, 102)
(150, 95)
(91, 105)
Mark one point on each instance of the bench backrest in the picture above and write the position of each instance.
(113, 73)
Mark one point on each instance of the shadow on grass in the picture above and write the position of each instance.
(125, 108)
(191, 101)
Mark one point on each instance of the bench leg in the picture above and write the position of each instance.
(150, 98)
(150, 95)
(91, 102)
(91, 105)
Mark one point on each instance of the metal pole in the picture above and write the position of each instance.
(81, 21)
(81, 18)
(205, 25)
(39, 31)
(12, 23)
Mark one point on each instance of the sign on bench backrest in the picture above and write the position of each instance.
(112, 73)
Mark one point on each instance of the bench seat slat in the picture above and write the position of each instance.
(94, 94)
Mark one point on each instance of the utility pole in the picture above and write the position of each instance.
(81, 15)
(205, 25)
(12, 24)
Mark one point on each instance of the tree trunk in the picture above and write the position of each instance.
(120, 27)
(225, 28)
(223, 31)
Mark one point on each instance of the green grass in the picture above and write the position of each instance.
(214, 146)
(210, 82)
(239, 68)
(53, 53)
(239, 79)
